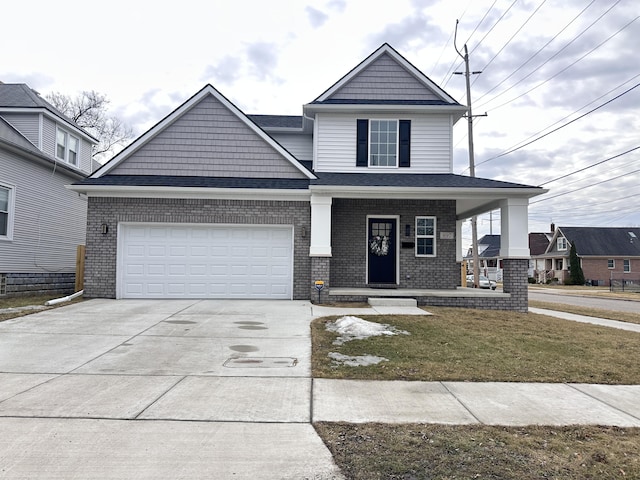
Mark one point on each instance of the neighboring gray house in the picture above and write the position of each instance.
(41, 221)
(358, 192)
(489, 259)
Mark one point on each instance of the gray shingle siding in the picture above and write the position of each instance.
(208, 140)
(384, 79)
(349, 236)
(101, 255)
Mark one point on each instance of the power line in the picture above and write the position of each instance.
(560, 127)
(512, 36)
(536, 54)
(552, 57)
(586, 186)
(590, 166)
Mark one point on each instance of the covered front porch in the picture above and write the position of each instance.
(405, 241)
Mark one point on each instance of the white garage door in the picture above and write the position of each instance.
(194, 261)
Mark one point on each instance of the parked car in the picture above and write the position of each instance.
(483, 282)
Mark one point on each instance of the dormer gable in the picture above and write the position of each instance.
(385, 79)
(207, 136)
(46, 128)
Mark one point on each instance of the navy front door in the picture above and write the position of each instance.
(382, 248)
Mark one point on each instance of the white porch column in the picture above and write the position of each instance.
(320, 226)
(514, 232)
(459, 256)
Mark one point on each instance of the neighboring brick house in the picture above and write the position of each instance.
(358, 192)
(41, 221)
(607, 254)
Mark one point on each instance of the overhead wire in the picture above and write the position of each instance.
(512, 36)
(560, 127)
(553, 56)
(537, 52)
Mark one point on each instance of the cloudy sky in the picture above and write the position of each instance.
(559, 83)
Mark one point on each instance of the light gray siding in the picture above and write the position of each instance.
(208, 140)
(28, 124)
(49, 220)
(49, 128)
(300, 146)
(431, 143)
(49, 136)
(384, 79)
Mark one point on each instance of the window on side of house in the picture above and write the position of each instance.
(425, 236)
(626, 268)
(67, 147)
(562, 243)
(383, 143)
(6, 213)
(611, 263)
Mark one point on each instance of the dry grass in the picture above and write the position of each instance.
(16, 302)
(416, 451)
(589, 312)
(472, 345)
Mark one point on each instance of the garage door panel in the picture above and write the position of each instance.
(180, 261)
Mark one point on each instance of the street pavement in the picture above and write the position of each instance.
(223, 389)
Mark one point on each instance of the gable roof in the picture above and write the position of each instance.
(12, 140)
(207, 91)
(19, 97)
(602, 241)
(372, 77)
(491, 244)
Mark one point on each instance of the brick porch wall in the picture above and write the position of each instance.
(349, 242)
(101, 253)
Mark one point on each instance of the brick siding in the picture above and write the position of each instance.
(349, 242)
(101, 253)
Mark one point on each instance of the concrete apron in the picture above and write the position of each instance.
(160, 389)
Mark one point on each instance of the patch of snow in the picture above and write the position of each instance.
(355, 328)
(359, 361)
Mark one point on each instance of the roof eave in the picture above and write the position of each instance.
(136, 191)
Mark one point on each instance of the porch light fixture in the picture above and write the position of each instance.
(303, 232)
(104, 229)
(407, 230)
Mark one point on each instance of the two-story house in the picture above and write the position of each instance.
(358, 193)
(608, 255)
(41, 221)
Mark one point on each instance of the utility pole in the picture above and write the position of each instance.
(472, 166)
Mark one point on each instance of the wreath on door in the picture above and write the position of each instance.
(379, 245)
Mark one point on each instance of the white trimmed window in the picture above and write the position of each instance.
(611, 264)
(626, 266)
(6, 212)
(383, 143)
(67, 147)
(562, 243)
(425, 236)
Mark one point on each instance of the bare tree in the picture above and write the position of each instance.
(89, 110)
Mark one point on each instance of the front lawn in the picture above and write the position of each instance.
(477, 345)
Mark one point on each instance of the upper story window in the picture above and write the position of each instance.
(67, 147)
(6, 212)
(626, 266)
(383, 143)
(562, 243)
(425, 236)
(611, 263)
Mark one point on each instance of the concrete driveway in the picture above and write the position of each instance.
(160, 389)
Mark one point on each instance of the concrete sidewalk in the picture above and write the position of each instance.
(223, 389)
